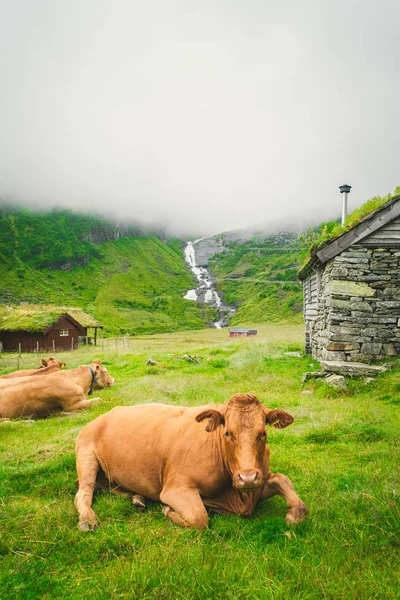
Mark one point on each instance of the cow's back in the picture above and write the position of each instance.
(140, 447)
(33, 395)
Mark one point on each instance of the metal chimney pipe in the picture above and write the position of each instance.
(344, 189)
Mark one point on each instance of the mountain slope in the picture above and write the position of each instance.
(259, 277)
(132, 284)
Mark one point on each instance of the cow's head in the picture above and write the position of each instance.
(102, 377)
(51, 362)
(242, 423)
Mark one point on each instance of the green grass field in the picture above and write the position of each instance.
(341, 454)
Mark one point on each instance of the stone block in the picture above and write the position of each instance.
(355, 369)
(312, 375)
(337, 381)
(389, 350)
(358, 357)
(371, 348)
(378, 285)
(392, 291)
(345, 330)
(379, 332)
(374, 277)
(348, 305)
(342, 346)
(349, 288)
(353, 261)
(388, 304)
(340, 272)
(361, 253)
(351, 338)
(360, 313)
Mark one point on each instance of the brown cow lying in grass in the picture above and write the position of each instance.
(166, 454)
(65, 390)
(48, 366)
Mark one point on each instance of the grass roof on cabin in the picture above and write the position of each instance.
(315, 240)
(28, 317)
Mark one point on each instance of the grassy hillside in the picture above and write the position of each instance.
(49, 238)
(135, 284)
(131, 285)
(340, 453)
(259, 277)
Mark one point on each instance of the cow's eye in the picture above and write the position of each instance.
(227, 434)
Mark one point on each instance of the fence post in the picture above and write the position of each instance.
(37, 347)
(19, 349)
(54, 347)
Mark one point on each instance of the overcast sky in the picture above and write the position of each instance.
(201, 116)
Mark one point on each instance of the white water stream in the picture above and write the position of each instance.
(205, 290)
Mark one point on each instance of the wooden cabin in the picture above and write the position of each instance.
(44, 328)
(241, 332)
(352, 291)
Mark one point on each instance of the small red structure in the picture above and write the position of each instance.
(242, 332)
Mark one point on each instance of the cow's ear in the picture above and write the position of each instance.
(278, 418)
(216, 419)
(44, 362)
(62, 365)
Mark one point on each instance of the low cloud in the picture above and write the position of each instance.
(198, 117)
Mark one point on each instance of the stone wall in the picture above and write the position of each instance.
(359, 306)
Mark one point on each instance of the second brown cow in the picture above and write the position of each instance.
(63, 390)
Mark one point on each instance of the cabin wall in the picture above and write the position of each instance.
(315, 310)
(29, 341)
(32, 342)
(63, 342)
(358, 314)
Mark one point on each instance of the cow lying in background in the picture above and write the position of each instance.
(166, 454)
(63, 390)
(48, 366)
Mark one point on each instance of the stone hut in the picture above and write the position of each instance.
(352, 291)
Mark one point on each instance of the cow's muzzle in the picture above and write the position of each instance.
(251, 479)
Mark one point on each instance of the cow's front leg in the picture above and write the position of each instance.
(185, 507)
(81, 404)
(278, 484)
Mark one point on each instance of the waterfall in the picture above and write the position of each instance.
(205, 290)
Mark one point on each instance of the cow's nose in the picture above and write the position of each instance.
(248, 478)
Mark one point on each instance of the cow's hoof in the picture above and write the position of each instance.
(88, 526)
(139, 501)
(297, 514)
(166, 511)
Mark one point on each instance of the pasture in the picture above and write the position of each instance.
(341, 454)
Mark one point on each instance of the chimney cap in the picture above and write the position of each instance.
(344, 188)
